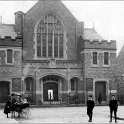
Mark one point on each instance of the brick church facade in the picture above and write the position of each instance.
(50, 57)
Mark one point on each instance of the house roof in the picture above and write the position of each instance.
(7, 30)
(91, 34)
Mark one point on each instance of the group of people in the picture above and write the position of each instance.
(113, 105)
(11, 104)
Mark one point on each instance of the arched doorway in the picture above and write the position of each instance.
(52, 85)
(100, 91)
(50, 91)
(4, 91)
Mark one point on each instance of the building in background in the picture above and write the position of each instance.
(118, 71)
(50, 57)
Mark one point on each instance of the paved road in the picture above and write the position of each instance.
(65, 115)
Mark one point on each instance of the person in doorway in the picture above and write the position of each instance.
(113, 105)
(90, 106)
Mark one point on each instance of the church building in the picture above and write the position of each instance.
(49, 57)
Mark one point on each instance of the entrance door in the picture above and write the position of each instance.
(50, 91)
(4, 91)
(100, 91)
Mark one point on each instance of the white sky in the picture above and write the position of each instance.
(106, 16)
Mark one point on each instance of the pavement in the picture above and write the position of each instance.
(65, 115)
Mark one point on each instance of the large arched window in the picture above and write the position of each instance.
(50, 38)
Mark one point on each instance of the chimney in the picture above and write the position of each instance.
(19, 17)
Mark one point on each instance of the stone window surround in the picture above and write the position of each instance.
(11, 63)
(64, 41)
(97, 58)
(108, 59)
(98, 52)
(13, 50)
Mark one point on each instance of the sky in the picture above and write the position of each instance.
(107, 17)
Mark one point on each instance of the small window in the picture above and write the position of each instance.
(95, 58)
(72, 85)
(106, 58)
(9, 56)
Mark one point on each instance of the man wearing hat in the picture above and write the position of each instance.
(90, 106)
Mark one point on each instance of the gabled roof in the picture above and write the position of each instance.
(91, 34)
(7, 30)
(56, 6)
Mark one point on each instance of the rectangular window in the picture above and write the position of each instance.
(95, 58)
(9, 56)
(106, 58)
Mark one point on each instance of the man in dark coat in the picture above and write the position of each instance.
(13, 101)
(7, 107)
(113, 105)
(90, 106)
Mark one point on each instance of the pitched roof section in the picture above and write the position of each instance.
(91, 34)
(7, 30)
(54, 5)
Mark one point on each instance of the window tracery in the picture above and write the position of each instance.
(50, 37)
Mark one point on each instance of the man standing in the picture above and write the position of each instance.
(90, 106)
(113, 105)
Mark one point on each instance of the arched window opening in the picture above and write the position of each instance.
(29, 84)
(74, 84)
(50, 38)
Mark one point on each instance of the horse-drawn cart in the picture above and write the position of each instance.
(22, 109)
(18, 106)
